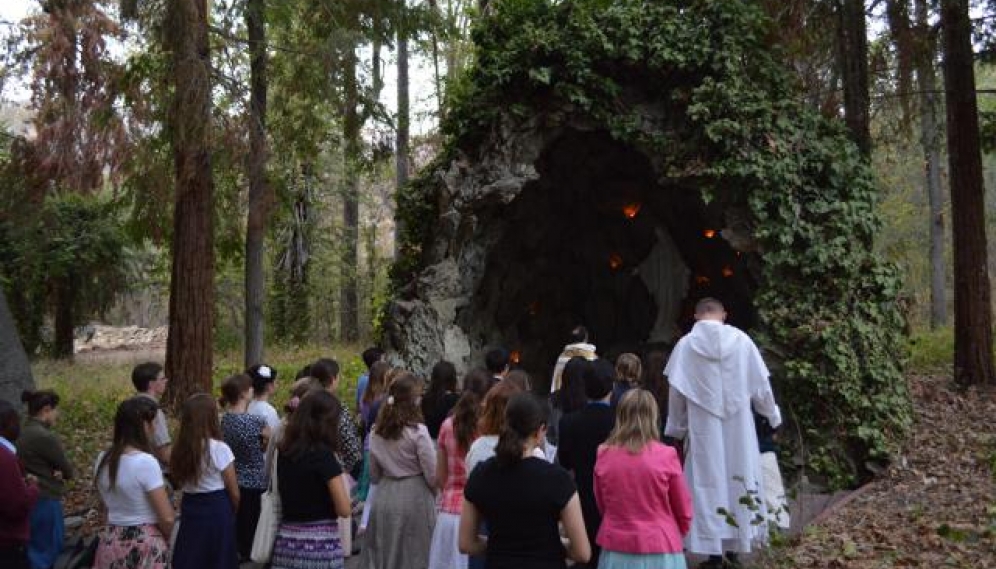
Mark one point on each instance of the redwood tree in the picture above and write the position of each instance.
(973, 358)
(191, 300)
(853, 60)
(260, 193)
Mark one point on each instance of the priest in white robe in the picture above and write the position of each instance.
(715, 373)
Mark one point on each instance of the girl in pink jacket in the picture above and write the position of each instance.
(641, 492)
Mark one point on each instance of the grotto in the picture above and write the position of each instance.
(609, 165)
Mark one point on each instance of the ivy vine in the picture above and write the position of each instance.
(733, 127)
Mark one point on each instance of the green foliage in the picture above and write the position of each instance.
(723, 119)
(71, 242)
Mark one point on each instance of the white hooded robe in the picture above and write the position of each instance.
(715, 373)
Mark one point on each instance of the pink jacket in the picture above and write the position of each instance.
(645, 504)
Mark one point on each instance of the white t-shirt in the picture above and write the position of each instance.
(218, 457)
(484, 448)
(266, 411)
(128, 503)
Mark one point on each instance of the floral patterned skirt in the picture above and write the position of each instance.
(131, 547)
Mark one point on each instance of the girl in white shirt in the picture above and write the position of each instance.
(130, 483)
(204, 468)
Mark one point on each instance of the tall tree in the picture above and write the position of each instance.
(404, 112)
(349, 325)
(973, 359)
(924, 53)
(191, 300)
(260, 192)
(852, 38)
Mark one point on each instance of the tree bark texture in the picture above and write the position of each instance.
(973, 358)
(348, 313)
(15, 369)
(853, 56)
(925, 48)
(260, 196)
(404, 120)
(191, 302)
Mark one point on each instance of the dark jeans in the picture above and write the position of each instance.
(14, 557)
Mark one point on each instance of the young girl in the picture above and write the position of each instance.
(264, 384)
(490, 424)
(640, 490)
(403, 465)
(204, 468)
(246, 435)
(440, 396)
(522, 498)
(312, 487)
(455, 437)
(629, 370)
(43, 456)
(130, 483)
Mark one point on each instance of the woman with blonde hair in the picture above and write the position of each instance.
(640, 490)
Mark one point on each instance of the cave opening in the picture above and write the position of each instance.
(598, 241)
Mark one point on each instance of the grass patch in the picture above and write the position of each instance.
(932, 351)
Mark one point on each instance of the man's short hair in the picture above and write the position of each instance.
(709, 305)
(144, 374)
(578, 334)
(372, 356)
(325, 371)
(496, 360)
(598, 378)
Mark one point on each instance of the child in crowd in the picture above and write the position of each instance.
(628, 373)
(640, 490)
(19, 491)
(43, 456)
(246, 435)
(131, 487)
(522, 498)
(403, 465)
(455, 437)
(150, 382)
(312, 486)
(440, 397)
(370, 356)
(203, 466)
(491, 423)
(264, 385)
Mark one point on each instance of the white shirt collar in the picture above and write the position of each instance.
(8, 445)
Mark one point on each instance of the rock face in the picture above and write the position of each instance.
(97, 337)
(15, 369)
(547, 229)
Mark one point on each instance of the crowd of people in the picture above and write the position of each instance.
(623, 465)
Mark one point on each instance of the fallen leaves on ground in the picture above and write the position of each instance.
(934, 507)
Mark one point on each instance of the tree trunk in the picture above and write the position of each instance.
(930, 140)
(404, 115)
(348, 313)
(260, 198)
(973, 359)
(191, 301)
(853, 53)
(437, 79)
(15, 369)
(64, 321)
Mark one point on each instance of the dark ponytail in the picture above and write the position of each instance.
(523, 415)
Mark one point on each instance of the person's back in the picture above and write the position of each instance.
(636, 493)
(521, 504)
(580, 435)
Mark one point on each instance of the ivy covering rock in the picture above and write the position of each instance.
(697, 89)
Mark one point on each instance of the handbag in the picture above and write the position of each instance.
(269, 519)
